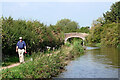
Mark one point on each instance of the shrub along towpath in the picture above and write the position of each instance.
(17, 64)
(44, 65)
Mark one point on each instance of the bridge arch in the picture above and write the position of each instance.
(75, 35)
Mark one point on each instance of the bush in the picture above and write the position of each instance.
(107, 35)
(40, 67)
(44, 66)
(77, 49)
(110, 34)
(36, 35)
(106, 30)
(67, 44)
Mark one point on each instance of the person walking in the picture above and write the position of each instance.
(21, 48)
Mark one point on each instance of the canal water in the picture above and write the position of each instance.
(95, 63)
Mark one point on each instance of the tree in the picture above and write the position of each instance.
(84, 29)
(114, 14)
(110, 34)
(99, 22)
(95, 31)
(67, 25)
(106, 30)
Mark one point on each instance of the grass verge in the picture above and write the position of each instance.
(45, 65)
(14, 59)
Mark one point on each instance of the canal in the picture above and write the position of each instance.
(95, 63)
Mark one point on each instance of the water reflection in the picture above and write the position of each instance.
(90, 48)
(95, 63)
(107, 56)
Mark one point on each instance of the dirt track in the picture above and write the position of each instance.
(13, 65)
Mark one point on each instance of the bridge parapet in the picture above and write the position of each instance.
(79, 35)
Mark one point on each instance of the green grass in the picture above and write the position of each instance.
(67, 44)
(77, 49)
(40, 67)
(118, 46)
(94, 44)
(10, 60)
(44, 66)
(98, 44)
(14, 59)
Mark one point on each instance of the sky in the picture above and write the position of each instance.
(49, 12)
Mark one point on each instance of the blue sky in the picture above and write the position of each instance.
(50, 12)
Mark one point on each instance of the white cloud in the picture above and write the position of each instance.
(59, 0)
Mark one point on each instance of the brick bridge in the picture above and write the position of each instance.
(79, 35)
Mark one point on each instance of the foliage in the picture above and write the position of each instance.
(42, 66)
(74, 39)
(36, 35)
(95, 34)
(98, 44)
(107, 35)
(83, 29)
(110, 34)
(77, 48)
(10, 60)
(67, 44)
(114, 14)
(118, 46)
(67, 25)
(99, 22)
(12, 30)
(106, 30)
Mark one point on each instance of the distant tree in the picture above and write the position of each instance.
(99, 22)
(95, 31)
(84, 29)
(114, 14)
(106, 30)
(110, 34)
(67, 25)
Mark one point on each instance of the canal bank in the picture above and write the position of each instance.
(95, 63)
(45, 65)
